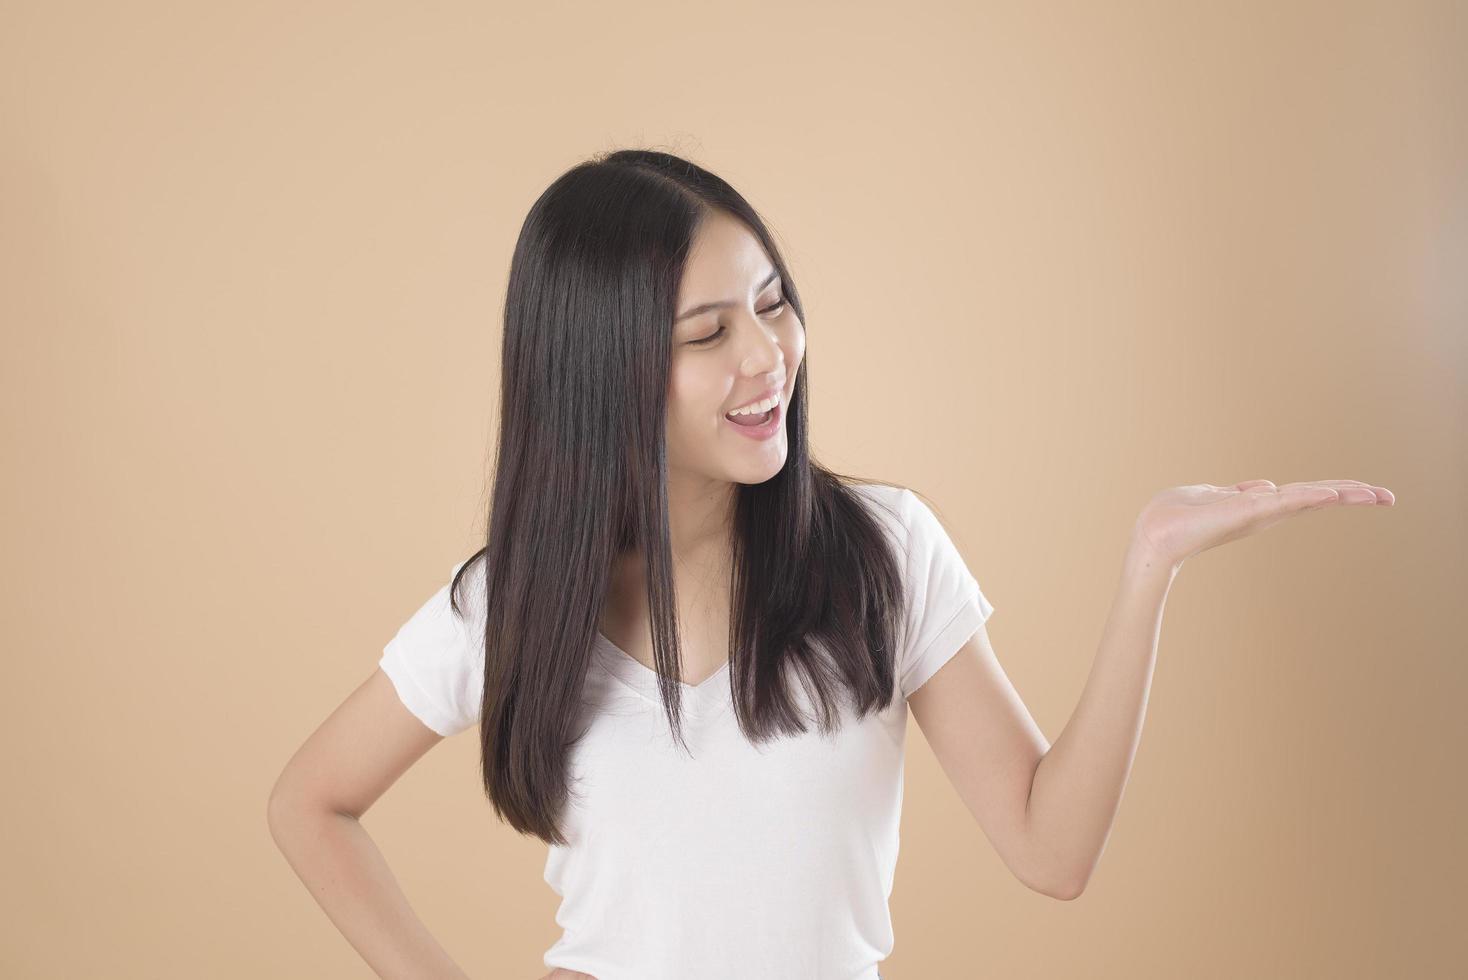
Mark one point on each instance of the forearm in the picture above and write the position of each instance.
(340, 864)
(1078, 784)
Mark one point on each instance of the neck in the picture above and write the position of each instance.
(700, 519)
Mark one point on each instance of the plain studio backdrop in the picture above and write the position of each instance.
(1055, 258)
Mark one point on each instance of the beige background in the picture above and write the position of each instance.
(252, 258)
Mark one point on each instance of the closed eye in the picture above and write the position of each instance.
(776, 307)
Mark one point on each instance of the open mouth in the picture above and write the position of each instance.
(757, 426)
(749, 421)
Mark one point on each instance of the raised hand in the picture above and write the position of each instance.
(1180, 522)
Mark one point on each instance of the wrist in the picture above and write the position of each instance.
(1146, 560)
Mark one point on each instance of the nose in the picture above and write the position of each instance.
(761, 353)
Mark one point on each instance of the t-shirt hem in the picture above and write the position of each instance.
(950, 639)
(412, 694)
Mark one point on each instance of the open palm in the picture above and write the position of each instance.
(1182, 521)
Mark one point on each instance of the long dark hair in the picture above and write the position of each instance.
(580, 475)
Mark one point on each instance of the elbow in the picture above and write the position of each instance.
(285, 812)
(1064, 888)
(293, 816)
(277, 816)
(277, 804)
(1050, 875)
(1069, 891)
(1047, 869)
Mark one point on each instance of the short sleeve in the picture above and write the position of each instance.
(945, 605)
(436, 658)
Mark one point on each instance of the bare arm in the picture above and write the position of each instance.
(314, 811)
(1078, 783)
(340, 864)
(1048, 809)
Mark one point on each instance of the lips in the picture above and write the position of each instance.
(764, 431)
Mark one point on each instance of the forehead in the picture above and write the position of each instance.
(725, 261)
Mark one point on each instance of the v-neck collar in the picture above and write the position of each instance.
(705, 697)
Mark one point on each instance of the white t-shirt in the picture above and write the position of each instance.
(739, 862)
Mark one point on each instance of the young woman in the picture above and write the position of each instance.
(689, 649)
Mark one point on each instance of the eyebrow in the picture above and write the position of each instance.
(774, 274)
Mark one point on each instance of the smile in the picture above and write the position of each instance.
(758, 426)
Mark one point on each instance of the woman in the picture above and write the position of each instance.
(689, 649)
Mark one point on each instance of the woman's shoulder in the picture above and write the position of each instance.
(466, 589)
(908, 512)
(893, 496)
(889, 502)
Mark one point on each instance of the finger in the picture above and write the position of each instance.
(1266, 491)
(1301, 496)
(1351, 491)
(1336, 484)
(1253, 484)
(1356, 492)
(1265, 509)
(1313, 497)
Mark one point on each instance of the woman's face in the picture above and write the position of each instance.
(747, 346)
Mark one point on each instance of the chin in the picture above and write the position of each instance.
(751, 475)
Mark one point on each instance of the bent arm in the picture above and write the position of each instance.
(1078, 784)
(314, 815)
(344, 870)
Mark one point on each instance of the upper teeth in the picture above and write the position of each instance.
(758, 408)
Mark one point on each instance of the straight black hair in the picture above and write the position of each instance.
(580, 475)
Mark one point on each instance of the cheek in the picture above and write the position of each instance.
(793, 344)
(693, 393)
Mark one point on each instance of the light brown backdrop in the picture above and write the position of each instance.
(253, 260)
